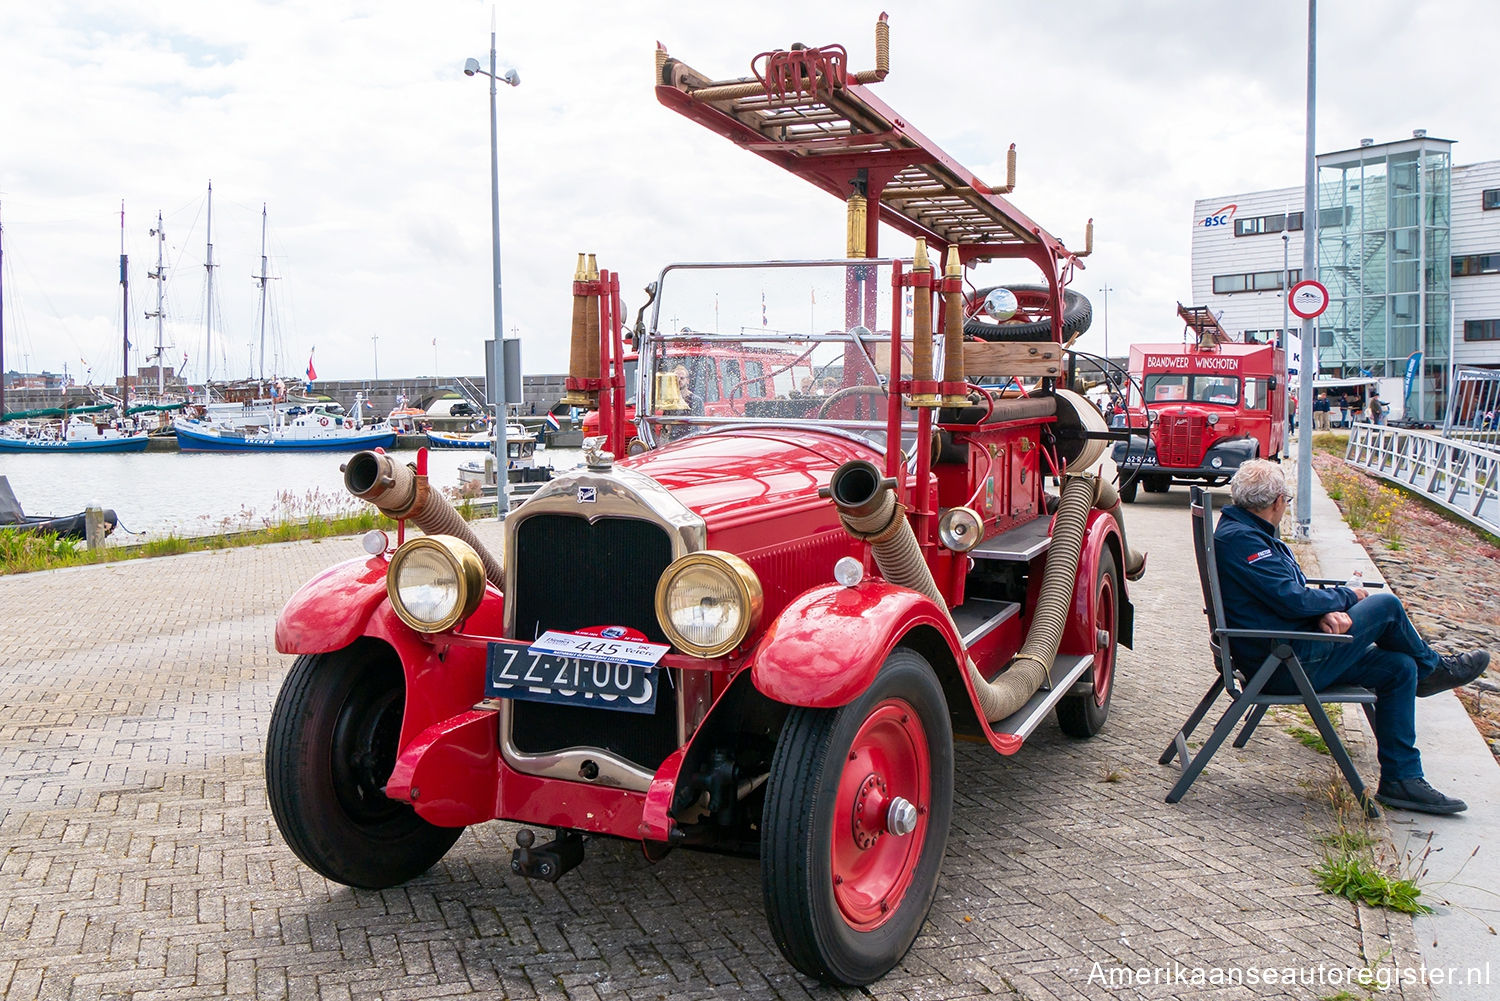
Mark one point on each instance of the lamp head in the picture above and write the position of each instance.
(511, 77)
(471, 67)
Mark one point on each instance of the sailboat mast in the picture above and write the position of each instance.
(262, 277)
(208, 306)
(124, 317)
(161, 278)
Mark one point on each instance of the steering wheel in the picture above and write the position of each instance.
(850, 392)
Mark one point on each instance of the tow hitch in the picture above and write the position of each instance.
(548, 861)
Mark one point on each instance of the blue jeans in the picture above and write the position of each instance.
(1387, 656)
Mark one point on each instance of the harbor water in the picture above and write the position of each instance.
(155, 494)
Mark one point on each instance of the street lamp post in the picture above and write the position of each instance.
(1286, 331)
(497, 392)
(1106, 290)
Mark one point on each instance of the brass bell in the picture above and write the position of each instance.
(668, 394)
(960, 529)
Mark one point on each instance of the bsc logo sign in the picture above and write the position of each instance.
(1221, 217)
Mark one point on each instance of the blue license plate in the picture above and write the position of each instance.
(513, 671)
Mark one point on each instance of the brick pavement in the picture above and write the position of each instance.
(138, 858)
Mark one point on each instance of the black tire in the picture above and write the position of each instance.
(1083, 716)
(1128, 488)
(1078, 313)
(330, 750)
(831, 927)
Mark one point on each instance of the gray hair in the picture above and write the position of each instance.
(1258, 484)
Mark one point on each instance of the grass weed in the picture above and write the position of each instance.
(313, 514)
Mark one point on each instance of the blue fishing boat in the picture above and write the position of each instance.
(309, 431)
(76, 435)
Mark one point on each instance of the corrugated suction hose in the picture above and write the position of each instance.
(400, 493)
(869, 512)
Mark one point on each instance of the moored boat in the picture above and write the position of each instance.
(78, 435)
(309, 431)
(446, 439)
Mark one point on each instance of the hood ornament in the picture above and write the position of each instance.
(595, 457)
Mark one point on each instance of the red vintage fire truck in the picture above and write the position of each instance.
(755, 632)
(1200, 408)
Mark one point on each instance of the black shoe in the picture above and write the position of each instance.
(1454, 671)
(1418, 796)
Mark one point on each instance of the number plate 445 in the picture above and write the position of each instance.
(517, 671)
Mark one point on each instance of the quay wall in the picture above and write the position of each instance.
(539, 391)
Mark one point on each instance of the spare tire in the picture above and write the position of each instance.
(1034, 314)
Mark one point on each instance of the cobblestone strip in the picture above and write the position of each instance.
(138, 858)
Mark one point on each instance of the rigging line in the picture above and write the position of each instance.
(183, 244)
(38, 290)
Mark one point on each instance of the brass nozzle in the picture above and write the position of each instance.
(953, 331)
(919, 259)
(578, 344)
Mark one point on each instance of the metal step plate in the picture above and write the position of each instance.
(977, 617)
(1023, 542)
(1066, 670)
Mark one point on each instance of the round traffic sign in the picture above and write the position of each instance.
(1308, 299)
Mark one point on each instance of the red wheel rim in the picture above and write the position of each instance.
(873, 868)
(1104, 632)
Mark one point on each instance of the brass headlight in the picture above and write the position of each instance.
(708, 602)
(435, 582)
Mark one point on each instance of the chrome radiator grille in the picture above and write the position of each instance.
(571, 574)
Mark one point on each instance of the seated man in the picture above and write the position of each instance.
(1263, 588)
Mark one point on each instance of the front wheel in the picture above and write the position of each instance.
(856, 821)
(331, 748)
(1128, 488)
(1084, 715)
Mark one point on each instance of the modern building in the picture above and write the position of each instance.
(1408, 247)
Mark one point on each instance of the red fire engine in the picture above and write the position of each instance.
(751, 632)
(1200, 408)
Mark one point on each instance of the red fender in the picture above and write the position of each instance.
(330, 611)
(450, 772)
(440, 736)
(825, 647)
(1078, 635)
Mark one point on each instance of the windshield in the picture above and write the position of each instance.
(767, 343)
(1160, 388)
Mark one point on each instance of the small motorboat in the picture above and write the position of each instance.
(71, 526)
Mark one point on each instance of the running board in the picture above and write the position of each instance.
(1008, 734)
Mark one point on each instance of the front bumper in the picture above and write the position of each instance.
(1138, 455)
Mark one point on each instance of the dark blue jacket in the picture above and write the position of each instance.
(1262, 585)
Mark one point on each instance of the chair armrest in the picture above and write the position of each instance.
(1271, 634)
(1331, 582)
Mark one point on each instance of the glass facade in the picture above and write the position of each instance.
(1383, 214)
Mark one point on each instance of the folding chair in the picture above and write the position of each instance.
(1248, 695)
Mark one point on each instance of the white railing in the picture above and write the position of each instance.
(1473, 413)
(1462, 476)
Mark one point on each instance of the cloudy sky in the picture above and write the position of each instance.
(353, 123)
